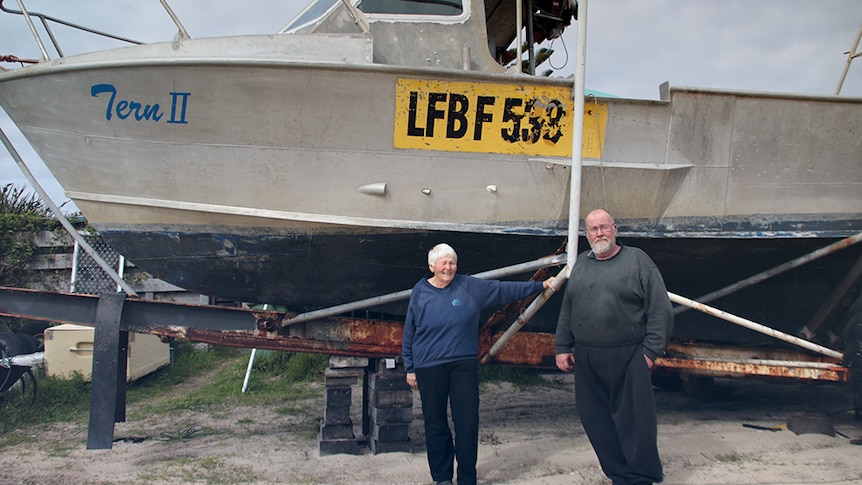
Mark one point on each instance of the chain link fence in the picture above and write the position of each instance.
(87, 276)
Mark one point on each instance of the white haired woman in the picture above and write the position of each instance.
(440, 350)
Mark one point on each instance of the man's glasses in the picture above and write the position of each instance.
(603, 228)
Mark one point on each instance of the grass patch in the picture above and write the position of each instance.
(12, 439)
(207, 469)
(184, 434)
(276, 377)
(734, 458)
(57, 400)
(62, 448)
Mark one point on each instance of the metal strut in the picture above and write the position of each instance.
(525, 317)
(405, 294)
(795, 263)
(754, 326)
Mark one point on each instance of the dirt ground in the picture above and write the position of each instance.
(529, 436)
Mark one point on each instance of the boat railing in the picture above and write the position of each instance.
(46, 21)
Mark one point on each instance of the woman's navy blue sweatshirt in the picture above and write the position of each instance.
(442, 324)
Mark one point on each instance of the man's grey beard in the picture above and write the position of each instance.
(602, 246)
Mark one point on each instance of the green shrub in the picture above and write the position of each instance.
(295, 367)
(21, 215)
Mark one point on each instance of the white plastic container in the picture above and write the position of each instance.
(69, 349)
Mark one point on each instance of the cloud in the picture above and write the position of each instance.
(767, 45)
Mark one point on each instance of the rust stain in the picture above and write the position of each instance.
(738, 369)
(384, 333)
(525, 349)
(369, 340)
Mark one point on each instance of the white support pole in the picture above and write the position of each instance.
(754, 326)
(577, 138)
(575, 189)
(121, 270)
(248, 370)
(73, 284)
(519, 25)
(251, 361)
(181, 30)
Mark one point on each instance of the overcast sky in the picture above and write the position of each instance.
(633, 46)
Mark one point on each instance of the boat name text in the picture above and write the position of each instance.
(125, 108)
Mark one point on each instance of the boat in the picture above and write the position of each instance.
(318, 165)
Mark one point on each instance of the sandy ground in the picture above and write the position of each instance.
(527, 436)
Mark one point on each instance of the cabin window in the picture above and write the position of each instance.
(413, 7)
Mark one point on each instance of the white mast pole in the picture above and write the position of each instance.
(577, 138)
(519, 21)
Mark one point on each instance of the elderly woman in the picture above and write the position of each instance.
(440, 351)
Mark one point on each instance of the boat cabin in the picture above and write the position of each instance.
(454, 34)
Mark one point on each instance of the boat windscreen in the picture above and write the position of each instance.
(314, 10)
(412, 7)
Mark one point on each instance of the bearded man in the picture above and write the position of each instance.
(614, 322)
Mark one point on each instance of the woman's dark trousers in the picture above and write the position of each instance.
(457, 383)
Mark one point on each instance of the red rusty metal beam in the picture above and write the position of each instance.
(712, 351)
(524, 349)
(340, 336)
(742, 361)
(382, 339)
(719, 368)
